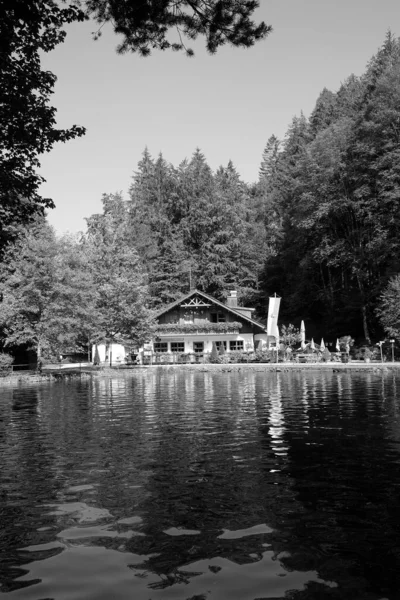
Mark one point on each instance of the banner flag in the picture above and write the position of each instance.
(272, 323)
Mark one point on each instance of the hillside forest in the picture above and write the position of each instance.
(319, 228)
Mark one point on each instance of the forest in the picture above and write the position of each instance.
(319, 228)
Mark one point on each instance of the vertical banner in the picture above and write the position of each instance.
(272, 323)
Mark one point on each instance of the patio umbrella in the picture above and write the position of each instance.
(337, 345)
(303, 335)
(322, 345)
(312, 345)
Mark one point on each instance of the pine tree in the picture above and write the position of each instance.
(269, 160)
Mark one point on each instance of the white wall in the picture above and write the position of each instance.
(118, 353)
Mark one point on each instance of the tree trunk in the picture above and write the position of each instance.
(363, 310)
(365, 323)
(39, 357)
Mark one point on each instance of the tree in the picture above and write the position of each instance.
(269, 160)
(119, 279)
(146, 25)
(47, 298)
(290, 336)
(27, 121)
(389, 309)
(30, 27)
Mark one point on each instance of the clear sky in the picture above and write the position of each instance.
(227, 104)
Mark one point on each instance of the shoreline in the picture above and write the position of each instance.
(378, 367)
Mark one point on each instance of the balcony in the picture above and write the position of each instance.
(206, 328)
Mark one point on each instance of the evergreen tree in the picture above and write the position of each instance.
(269, 160)
(388, 310)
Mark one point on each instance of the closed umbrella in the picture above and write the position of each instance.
(322, 345)
(303, 335)
(312, 345)
(337, 345)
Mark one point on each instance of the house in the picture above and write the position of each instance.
(190, 325)
(186, 329)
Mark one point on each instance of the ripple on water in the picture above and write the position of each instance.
(202, 485)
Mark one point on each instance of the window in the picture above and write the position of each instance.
(198, 347)
(218, 317)
(236, 345)
(160, 347)
(219, 344)
(177, 346)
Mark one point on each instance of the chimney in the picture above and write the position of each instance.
(231, 300)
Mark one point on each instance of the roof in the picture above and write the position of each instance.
(237, 313)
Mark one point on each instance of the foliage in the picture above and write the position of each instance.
(289, 335)
(27, 121)
(30, 27)
(214, 356)
(47, 293)
(364, 353)
(326, 355)
(147, 25)
(194, 228)
(389, 308)
(6, 360)
(119, 281)
(205, 327)
(345, 343)
(330, 202)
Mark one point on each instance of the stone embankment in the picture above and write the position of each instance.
(65, 375)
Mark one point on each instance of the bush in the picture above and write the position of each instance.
(237, 356)
(6, 360)
(214, 356)
(263, 356)
(326, 355)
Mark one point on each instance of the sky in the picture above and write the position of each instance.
(227, 104)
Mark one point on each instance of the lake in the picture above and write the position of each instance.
(184, 484)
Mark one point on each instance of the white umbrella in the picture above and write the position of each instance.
(337, 345)
(322, 345)
(312, 345)
(303, 335)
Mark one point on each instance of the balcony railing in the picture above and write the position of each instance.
(197, 328)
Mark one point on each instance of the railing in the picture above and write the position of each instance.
(164, 358)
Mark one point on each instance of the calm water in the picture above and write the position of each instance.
(193, 485)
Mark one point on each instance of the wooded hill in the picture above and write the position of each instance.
(319, 228)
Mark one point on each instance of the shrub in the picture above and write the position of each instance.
(326, 355)
(6, 360)
(214, 357)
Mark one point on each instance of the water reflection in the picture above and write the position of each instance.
(189, 484)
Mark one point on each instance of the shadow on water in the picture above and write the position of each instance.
(194, 485)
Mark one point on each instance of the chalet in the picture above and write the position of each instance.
(186, 329)
(191, 324)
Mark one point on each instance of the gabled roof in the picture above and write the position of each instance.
(231, 310)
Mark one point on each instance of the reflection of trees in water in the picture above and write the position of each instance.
(206, 477)
(28, 477)
(315, 457)
(345, 472)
